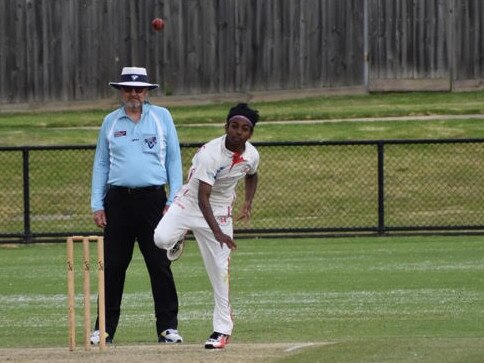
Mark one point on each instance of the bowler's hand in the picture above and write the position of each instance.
(244, 213)
(223, 238)
(99, 217)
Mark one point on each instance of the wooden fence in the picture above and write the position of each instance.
(69, 50)
(437, 44)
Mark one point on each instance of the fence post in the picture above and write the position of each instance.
(26, 191)
(366, 55)
(451, 51)
(381, 189)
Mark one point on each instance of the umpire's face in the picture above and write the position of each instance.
(133, 97)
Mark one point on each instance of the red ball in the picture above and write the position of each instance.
(158, 24)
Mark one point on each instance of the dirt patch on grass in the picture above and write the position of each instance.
(158, 353)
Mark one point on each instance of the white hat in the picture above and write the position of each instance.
(134, 77)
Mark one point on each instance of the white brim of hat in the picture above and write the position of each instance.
(118, 85)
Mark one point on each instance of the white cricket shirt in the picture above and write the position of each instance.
(214, 164)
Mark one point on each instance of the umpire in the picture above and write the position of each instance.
(137, 156)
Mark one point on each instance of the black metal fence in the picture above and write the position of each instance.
(305, 188)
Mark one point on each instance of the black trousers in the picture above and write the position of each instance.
(132, 216)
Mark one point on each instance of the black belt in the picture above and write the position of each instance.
(135, 190)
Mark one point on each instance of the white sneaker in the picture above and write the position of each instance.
(176, 251)
(96, 338)
(170, 336)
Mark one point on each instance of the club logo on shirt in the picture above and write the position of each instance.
(222, 220)
(150, 141)
(119, 133)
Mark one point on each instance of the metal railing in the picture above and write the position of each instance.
(305, 189)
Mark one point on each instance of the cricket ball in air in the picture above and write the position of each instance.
(157, 24)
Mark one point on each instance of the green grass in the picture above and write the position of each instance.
(81, 127)
(402, 299)
(405, 299)
(343, 201)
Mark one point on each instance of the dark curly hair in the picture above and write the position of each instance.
(243, 109)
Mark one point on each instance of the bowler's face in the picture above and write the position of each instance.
(238, 130)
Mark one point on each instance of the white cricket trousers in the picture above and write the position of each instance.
(172, 227)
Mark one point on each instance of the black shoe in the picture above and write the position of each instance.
(217, 341)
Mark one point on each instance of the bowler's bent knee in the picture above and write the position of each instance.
(161, 239)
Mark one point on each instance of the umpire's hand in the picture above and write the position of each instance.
(99, 218)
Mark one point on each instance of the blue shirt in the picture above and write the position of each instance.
(136, 154)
